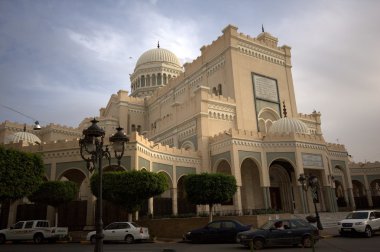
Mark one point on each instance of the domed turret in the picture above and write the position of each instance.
(288, 125)
(158, 55)
(154, 69)
(26, 137)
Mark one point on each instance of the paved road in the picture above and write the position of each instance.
(334, 244)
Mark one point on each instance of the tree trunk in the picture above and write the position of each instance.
(210, 213)
(130, 217)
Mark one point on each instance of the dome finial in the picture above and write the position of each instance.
(262, 27)
(284, 109)
(158, 44)
(24, 127)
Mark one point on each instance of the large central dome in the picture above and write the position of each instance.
(153, 70)
(158, 55)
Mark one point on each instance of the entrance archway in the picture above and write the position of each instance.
(360, 198)
(339, 193)
(281, 175)
(184, 206)
(375, 191)
(251, 192)
(162, 204)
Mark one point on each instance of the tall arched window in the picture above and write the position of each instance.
(142, 81)
(220, 89)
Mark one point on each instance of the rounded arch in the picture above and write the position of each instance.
(162, 204)
(78, 177)
(375, 187)
(358, 188)
(282, 182)
(184, 206)
(223, 166)
(251, 192)
(110, 168)
(188, 145)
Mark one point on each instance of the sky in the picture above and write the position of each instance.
(60, 61)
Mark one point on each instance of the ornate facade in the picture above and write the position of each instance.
(232, 110)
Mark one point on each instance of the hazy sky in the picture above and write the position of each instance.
(60, 61)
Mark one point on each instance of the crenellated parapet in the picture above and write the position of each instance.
(336, 147)
(296, 137)
(364, 168)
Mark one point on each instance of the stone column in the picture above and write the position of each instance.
(150, 206)
(237, 199)
(174, 201)
(304, 202)
(351, 198)
(368, 192)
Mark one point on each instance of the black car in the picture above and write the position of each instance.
(281, 232)
(217, 231)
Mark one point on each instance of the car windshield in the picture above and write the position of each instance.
(357, 215)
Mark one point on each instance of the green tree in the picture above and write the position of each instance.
(20, 174)
(210, 189)
(129, 189)
(55, 193)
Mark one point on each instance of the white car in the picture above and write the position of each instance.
(122, 231)
(365, 222)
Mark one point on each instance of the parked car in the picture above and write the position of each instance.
(33, 230)
(217, 231)
(128, 232)
(360, 222)
(280, 232)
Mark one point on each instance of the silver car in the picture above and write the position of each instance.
(122, 231)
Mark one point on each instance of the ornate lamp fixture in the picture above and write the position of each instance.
(92, 151)
(312, 183)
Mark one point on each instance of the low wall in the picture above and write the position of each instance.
(176, 227)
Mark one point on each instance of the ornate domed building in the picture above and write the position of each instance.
(154, 69)
(220, 113)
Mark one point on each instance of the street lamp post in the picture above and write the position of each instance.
(312, 183)
(93, 151)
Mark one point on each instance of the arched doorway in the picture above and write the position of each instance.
(225, 168)
(360, 198)
(251, 192)
(375, 191)
(162, 204)
(281, 176)
(184, 206)
(73, 214)
(339, 193)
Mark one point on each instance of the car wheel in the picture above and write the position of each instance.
(38, 238)
(307, 242)
(93, 239)
(368, 232)
(2, 239)
(258, 244)
(129, 239)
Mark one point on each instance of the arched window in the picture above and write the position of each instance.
(133, 128)
(148, 80)
(214, 91)
(220, 89)
(159, 80)
(154, 80)
(138, 128)
(142, 81)
(165, 79)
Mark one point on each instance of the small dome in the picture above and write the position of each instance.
(158, 55)
(288, 125)
(26, 137)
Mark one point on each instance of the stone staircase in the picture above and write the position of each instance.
(328, 220)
